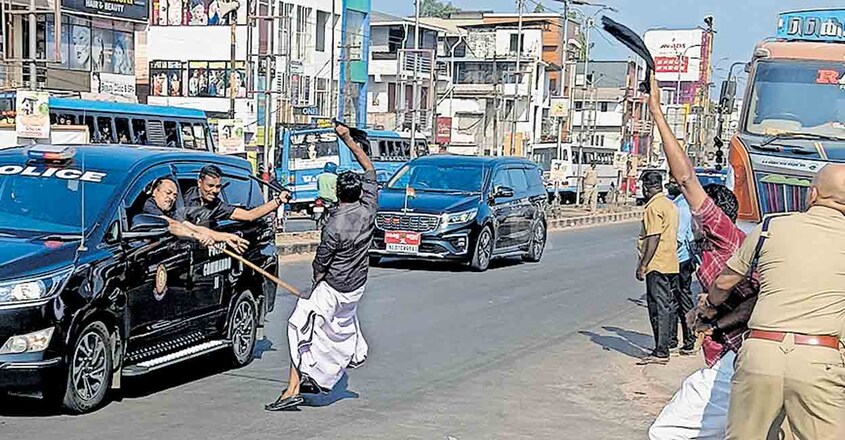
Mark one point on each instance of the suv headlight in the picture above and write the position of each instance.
(459, 218)
(32, 289)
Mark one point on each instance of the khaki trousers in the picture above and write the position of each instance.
(773, 379)
(591, 196)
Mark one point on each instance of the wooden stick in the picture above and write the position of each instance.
(269, 276)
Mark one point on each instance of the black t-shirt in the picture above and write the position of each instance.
(206, 214)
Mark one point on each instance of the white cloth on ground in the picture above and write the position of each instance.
(699, 410)
(324, 335)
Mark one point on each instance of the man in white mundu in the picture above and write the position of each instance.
(324, 335)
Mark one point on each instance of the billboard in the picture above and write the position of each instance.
(32, 119)
(444, 130)
(135, 10)
(676, 52)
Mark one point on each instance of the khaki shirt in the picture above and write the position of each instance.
(802, 273)
(661, 218)
(591, 177)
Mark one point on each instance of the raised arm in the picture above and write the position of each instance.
(357, 151)
(256, 213)
(680, 165)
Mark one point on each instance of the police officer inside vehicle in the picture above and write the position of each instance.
(162, 203)
(205, 208)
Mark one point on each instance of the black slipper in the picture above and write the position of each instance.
(285, 404)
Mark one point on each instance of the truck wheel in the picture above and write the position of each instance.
(243, 324)
(483, 251)
(90, 370)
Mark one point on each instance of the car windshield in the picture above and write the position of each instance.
(440, 177)
(41, 199)
(797, 97)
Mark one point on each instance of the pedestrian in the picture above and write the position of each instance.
(699, 410)
(442, 149)
(204, 206)
(686, 266)
(324, 334)
(658, 264)
(791, 362)
(591, 193)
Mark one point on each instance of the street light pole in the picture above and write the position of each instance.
(415, 88)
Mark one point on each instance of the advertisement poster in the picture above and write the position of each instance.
(559, 170)
(135, 10)
(559, 108)
(444, 130)
(230, 134)
(677, 53)
(194, 12)
(32, 118)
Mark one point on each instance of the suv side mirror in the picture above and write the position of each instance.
(146, 226)
(503, 192)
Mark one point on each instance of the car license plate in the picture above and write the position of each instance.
(403, 242)
(318, 209)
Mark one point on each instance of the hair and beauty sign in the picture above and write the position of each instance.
(812, 25)
(677, 53)
(230, 134)
(135, 10)
(32, 116)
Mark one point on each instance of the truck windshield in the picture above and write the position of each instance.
(439, 177)
(798, 97)
(31, 202)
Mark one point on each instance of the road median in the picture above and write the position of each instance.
(293, 243)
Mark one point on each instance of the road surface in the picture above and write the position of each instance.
(523, 351)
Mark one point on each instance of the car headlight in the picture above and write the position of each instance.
(459, 218)
(32, 289)
(29, 343)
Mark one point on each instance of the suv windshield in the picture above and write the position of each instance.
(797, 97)
(29, 201)
(439, 177)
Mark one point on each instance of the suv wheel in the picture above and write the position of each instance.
(243, 324)
(90, 370)
(483, 251)
(538, 243)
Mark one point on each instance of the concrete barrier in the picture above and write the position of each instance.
(290, 243)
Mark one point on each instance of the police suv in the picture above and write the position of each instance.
(87, 298)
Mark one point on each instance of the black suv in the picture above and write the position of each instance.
(462, 208)
(86, 298)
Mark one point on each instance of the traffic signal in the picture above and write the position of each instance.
(720, 158)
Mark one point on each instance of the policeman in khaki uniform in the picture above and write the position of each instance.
(792, 361)
(591, 192)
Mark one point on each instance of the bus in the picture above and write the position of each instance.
(114, 122)
(304, 151)
(792, 120)
(602, 157)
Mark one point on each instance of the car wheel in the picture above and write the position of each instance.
(483, 251)
(243, 324)
(375, 261)
(90, 370)
(538, 243)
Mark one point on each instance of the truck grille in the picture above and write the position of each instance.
(781, 197)
(407, 222)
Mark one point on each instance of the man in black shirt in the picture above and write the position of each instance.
(205, 208)
(162, 203)
(324, 335)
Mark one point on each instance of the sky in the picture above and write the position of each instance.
(739, 24)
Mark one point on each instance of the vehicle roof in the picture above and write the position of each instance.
(107, 156)
(84, 105)
(803, 50)
(486, 160)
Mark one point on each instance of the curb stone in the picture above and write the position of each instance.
(291, 243)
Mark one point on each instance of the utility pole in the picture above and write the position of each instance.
(415, 98)
(584, 101)
(332, 81)
(33, 69)
(519, 36)
(270, 66)
(233, 89)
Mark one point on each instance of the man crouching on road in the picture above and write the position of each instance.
(324, 335)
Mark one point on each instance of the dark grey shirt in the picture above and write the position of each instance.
(342, 259)
(205, 214)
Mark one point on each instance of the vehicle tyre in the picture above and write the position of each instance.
(243, 325)
(538, 243)
(375, 261)
(89, 372)
(483, 251)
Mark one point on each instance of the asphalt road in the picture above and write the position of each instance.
(522, 351)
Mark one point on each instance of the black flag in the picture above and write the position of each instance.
(358, 135)
(633, 41)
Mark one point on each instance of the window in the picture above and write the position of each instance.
(603, 106)
(105, 133)
(124, 133)
(535, 178)
(391, 97)
(188, 139)
(199, 137)
(236, 191)
(171, 136)
(166, 79)
(303, 37)
(321, 95)
(320, 42)
(579, 105)
(516, 40)
(139, 128)
(501, 178)
(518, 180)
(212, 79)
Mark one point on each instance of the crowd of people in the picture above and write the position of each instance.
(771, 318)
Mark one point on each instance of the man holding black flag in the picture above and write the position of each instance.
(324, 335)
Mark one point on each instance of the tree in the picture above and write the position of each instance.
(539, 9)
(437, 8)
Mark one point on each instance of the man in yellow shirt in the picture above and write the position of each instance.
(658, 265)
